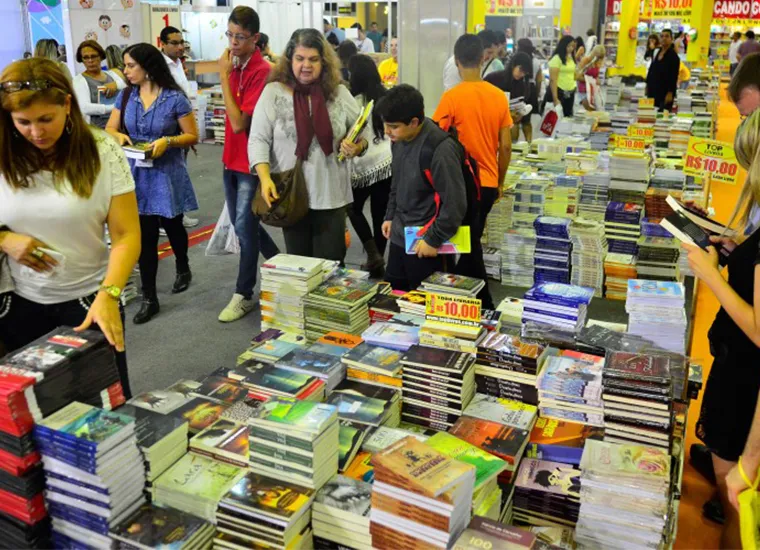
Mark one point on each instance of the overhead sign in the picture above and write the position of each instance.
(737, 10)
(708, 156)
(671, 9)
(504, 8)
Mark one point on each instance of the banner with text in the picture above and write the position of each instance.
(672, 9)
(707, 156)
(504, 8)
(737, 11)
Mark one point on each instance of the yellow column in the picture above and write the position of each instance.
(565, 15)
(701, 18)
(476, 14)
(626, 53)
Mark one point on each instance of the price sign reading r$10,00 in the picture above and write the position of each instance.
(453, 309)
(707, 156)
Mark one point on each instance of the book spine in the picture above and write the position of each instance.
(384, 537)
(410, 511)
(385, 380)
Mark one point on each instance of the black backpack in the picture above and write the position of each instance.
(470, 174)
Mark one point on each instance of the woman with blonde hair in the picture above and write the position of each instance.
(589, 66)
(115, 60)
(304, 113)
(61, 182)
(47, 48)
(732, 388)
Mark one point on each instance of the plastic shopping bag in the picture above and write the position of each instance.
(550, 120)
(749, 516)
(223, 239)
(594, 93)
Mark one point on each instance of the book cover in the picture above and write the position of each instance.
(638, 288)
(553, 439)
(150, 426)
(504, 411)
(637, 366)
(348, 495)
(221, 389)
(350, 438)
(306, 360)
(449, 280)
(422, 467)
(272, 350)
(199, 413)
(485, 533)
(361, 468)
(460, 243)
(609, 459)
(506, 442)
(554, 478)
(302, 416)
(84, 422)
(275, 379)
(363, 389)
(224, 437)
(358, 127)
(437, 358)
(487, 466)
(377, 358)
(357, 408)
(156, 527)
(392, 335)
(382, 437)
(341, 340)
(560, 294)
(297, 265)
(345, 290)
(271, 497)
(159, 401)
(198, 476)
(185, 387)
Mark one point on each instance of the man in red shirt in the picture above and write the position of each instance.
(243, 73)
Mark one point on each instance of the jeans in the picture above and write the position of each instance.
(239, 192)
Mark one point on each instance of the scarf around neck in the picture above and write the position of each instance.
(311, 122)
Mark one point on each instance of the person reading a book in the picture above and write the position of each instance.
(153, 109)
(731, 392)
(61, 182)
(412, 201)
(95, 88)
(515, 80)
(371, 173)
(305, 113)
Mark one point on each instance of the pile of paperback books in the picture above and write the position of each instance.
(593, 201)
(507, 366)
(296, 441)
(367, 404)
(618, 269)
(261, 511)
(374, 364)
(84, 451)
(622, 226)
(625, 490)
(589, 250)
(340, 513)
(557, 305)
(547, 493)
(637, 399)
(437, 386)
(553, 250)
(327, 367)
(419, 503)
(570, 388)
(270, 380)
(156, 527)
(285, 281)
(517, 254)
(658, 258)
(656, 312)
(339, 304)
(224, 441)
(448, 283)
(392, 335)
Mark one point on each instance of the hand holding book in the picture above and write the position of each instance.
(704, 263)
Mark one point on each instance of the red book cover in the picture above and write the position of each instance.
(548, 431)
(18, 465)
(29, 511)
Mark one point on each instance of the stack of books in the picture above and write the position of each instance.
(340, 514)
(156, 527)
(589, 249)
(638, 399)
(562, 199)
(622, 226)
(224, 441)
(656, 312)
(646, 115)
(557, 305)
(594, 195)
(448, 335)
(570, 388)
(501, 440)
(162, 439)
(337, 344)
(413, 303)
(485, 533)
(486, 496)
(618, 269)
(506, 366)
(195, 485)
(338, 304)
(264, 512)
(326, 367)
(448, 283)
(94, 472)
(517, 252)
(629, 176)
(391, 335)
(547, 493)
(285, 281)
(530, 193)
(560, 441)
(367, 404)
(420, 503)
(492, 260)
(383, 307)
(269, 381)
(503, 411)
(438, 385)
(374, 365)
(511, 310)
(296, 441)
(553, 250)
(658, 258)
(270, 346)
(625, 492)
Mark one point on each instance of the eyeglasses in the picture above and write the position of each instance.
(238, 37)
(174, 42)
(12, 86)
(90, 57)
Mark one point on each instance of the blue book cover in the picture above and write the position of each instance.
(560, 294)
(86, 426)
(638, 288)
(558, 315)
(78, 517)
(392, 335)
(302, 360)
(554, 453)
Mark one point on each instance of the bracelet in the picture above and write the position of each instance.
(744, 475)
(169, 140)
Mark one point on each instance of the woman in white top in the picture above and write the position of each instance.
(61, 182)
(95, 88)
(305, 112)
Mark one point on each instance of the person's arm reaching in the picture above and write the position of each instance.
(750, 459)
(505, 155)
(446, 168)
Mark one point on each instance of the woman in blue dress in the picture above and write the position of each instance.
(154, 110)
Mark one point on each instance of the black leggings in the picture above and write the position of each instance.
(149, 254)
(379, 193)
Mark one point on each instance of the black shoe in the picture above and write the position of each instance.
(182, 282)
(713, 510)
(700, 458)
(148, 310)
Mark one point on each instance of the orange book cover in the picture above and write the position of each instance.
(342, 339)
(386, 380)
(361, 468)
(410, 511)
(498, 439)
(386, 538)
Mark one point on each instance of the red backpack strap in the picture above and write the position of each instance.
(426, 162)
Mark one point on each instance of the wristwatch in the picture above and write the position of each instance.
(112, 290)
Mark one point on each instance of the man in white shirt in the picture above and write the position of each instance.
(733, 49)
(173, 47)
(364, 44)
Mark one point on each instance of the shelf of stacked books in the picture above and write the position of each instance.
(424, 422)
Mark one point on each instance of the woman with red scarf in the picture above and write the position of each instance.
(305, 113)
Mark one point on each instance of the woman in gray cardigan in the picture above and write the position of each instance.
(305, 112)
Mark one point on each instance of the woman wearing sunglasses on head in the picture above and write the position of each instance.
(61, 182)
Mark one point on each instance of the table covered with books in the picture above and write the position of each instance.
(364, 418)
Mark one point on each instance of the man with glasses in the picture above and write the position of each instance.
(243, 74)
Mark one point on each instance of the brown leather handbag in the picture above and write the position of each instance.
(293, 204)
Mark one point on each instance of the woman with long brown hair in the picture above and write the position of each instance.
(61, 182)
(304, 113)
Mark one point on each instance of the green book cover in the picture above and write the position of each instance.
(487, 466)
(304, 416)
(350, 438)
(82, 421)
(198, 476)
(345, 290)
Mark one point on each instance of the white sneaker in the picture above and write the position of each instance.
(187, 221)
(162, 232)
(238, 308)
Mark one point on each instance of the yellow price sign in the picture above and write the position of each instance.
(641, 131)
(453, 309)
(628, 142)
(504, 8)
(646, 102)
(708, 156)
